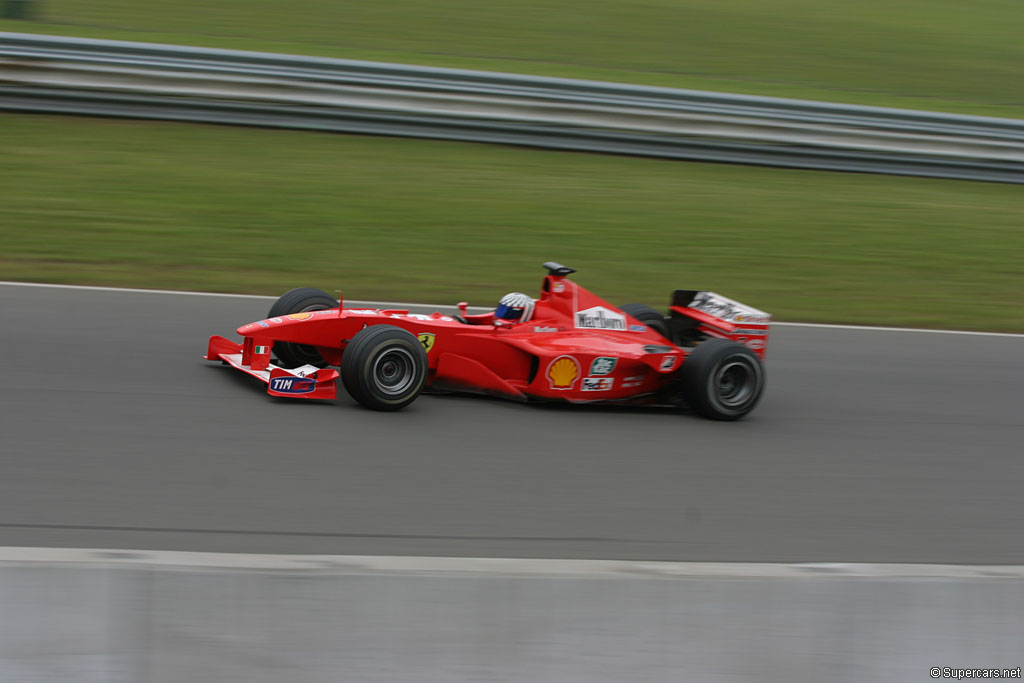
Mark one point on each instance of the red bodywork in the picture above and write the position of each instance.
(576, 347)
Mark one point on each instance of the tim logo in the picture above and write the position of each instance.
(292, 385)
(600, 318)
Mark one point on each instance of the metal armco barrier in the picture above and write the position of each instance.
(141, 80)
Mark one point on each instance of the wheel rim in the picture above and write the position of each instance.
(733, 384)
(393, 371)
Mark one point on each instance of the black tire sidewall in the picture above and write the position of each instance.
(367, 347)
(702, 367)
(300, 300)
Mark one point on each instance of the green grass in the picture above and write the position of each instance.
(945, 55)
(164, 205)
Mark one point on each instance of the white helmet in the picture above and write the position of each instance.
(514, 306)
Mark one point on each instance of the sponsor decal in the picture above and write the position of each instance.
(559, 287)
(292, 385)
(361, 311)
(301, 316)
(727, 309)
(263, 323)
(751, 318)
(638, 328)
(260, 350)
(545, 329)
(414, 316)
(603, 365)
(598, 383)
(427, 339)
(667, 363)
(713, 305)
(563, 372)
(277, 320)
(755, 344)
(600, 318)
(633, 381)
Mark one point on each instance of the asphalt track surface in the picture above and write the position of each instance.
(869, 446)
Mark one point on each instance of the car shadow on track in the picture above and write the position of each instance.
(557, 407)
(249, 384)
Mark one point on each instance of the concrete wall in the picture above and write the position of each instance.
(160, 617)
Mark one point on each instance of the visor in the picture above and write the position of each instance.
(506, 312)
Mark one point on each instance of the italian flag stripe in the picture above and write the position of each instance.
(259, 350)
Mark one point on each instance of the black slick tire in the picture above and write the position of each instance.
(722, 380)
(648, 316)
(300, 300)
(384, 367)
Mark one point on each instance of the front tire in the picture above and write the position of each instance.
(300, 300)
(384, 367)
(722, 380)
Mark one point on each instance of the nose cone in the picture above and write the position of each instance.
(270, 323)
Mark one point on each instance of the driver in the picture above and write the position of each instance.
(514, 307)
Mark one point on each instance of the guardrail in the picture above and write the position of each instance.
(141, 80)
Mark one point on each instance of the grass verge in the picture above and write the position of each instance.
(165, 205)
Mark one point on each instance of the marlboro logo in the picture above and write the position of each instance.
(600, 318)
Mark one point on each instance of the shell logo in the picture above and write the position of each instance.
(301, 316)
(563, 372)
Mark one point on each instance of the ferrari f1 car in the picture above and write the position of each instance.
(568, 345)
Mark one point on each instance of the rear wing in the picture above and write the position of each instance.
(712, 315)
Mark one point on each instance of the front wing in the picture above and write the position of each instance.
(307, 381)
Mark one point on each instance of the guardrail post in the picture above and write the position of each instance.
(18, 9)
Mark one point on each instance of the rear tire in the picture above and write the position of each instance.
(722, 380)
(300, 300)
(384, 367)
(648, 316)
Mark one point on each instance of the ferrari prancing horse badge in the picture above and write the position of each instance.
(427, 339)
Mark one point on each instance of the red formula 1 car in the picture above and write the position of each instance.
(568, 345)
